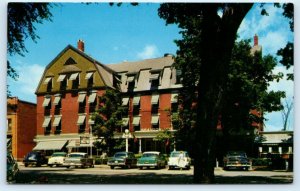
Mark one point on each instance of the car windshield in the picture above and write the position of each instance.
(177, 154)
(32, 155)
(58, 154)
(121, 155)
(150, 155)
(75, 155)
(235, 153)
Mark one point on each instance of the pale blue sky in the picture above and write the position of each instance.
(114, 34)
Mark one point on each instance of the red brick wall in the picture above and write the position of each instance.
(164, 110)
(69, 112)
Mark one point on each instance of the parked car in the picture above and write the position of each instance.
(179, 159)
(236, 160)
(35, 158)
(12, 168)
(78, 159)
(152, 159)
(122, 159)
(57, 159)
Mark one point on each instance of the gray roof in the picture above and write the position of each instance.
(134, 67)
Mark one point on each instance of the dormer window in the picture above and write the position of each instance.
(48, 82)
(63, 81)
(154, 79)
(130, 82)
(90, 78)
(75, 77)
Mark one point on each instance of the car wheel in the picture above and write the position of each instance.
(50, 165)
(128, 166)
(26, 165)
(112, 167)
(141, 168)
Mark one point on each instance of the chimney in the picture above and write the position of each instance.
(255, 40)
(80, 45)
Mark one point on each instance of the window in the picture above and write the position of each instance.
(155, 122)
(90, 78)
(178, 76)
(174, 102)
(154, 78)
(154, 102)
(92, 101)
(131, 83)
(81, 123)
(136, 105)
(57, 104)
(48, 82)
(136, 123)
(46, 125)
(75, 77)
(57, 124)
(81, 99)
(9, 124)
(47, 105)
(63, 81)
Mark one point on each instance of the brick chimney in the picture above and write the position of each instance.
(255, 40)
(80, 45)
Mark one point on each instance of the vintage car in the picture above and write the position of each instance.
(122, 159)
(12, 168)
(35, 158)
(236, 160)
(151, 159)
(57, 159)
(179, 159)
(78, 159)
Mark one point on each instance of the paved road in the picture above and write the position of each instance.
(102, 174)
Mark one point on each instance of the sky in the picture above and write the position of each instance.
(115, 34)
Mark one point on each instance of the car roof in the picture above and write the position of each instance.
(151, 152)
(179, 152)
(79, 153)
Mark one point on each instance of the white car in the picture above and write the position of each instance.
(57, 158)
(179, 159)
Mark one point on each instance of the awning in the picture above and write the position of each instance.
(136, 121)
(61, 77)
(81, 97)
(92, 97)
(46, 101)
(130, 78)
(125, 101)
(154, 76)
(174, 97)
(46, 121)
(56, 100)
(47, 80)
(154, 120)
(73, 76)
(56, 121)
(136, 100)
(81, 119)
(125, 121)
(50, 145)
(154, 99)
(89, 75)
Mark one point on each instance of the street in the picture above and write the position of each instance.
(102, 174)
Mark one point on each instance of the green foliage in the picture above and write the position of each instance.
(21, 20)
(108, 119)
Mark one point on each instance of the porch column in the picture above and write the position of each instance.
(140, 145)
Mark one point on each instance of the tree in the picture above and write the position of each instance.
(204, 55)
(21, 19)
(108, 119)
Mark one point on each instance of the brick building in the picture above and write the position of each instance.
(69, 92)
(21, 126)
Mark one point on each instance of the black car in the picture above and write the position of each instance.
(122, 159)
(35, 158)
(236, 160)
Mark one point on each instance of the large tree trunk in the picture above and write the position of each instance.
(218, 37)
